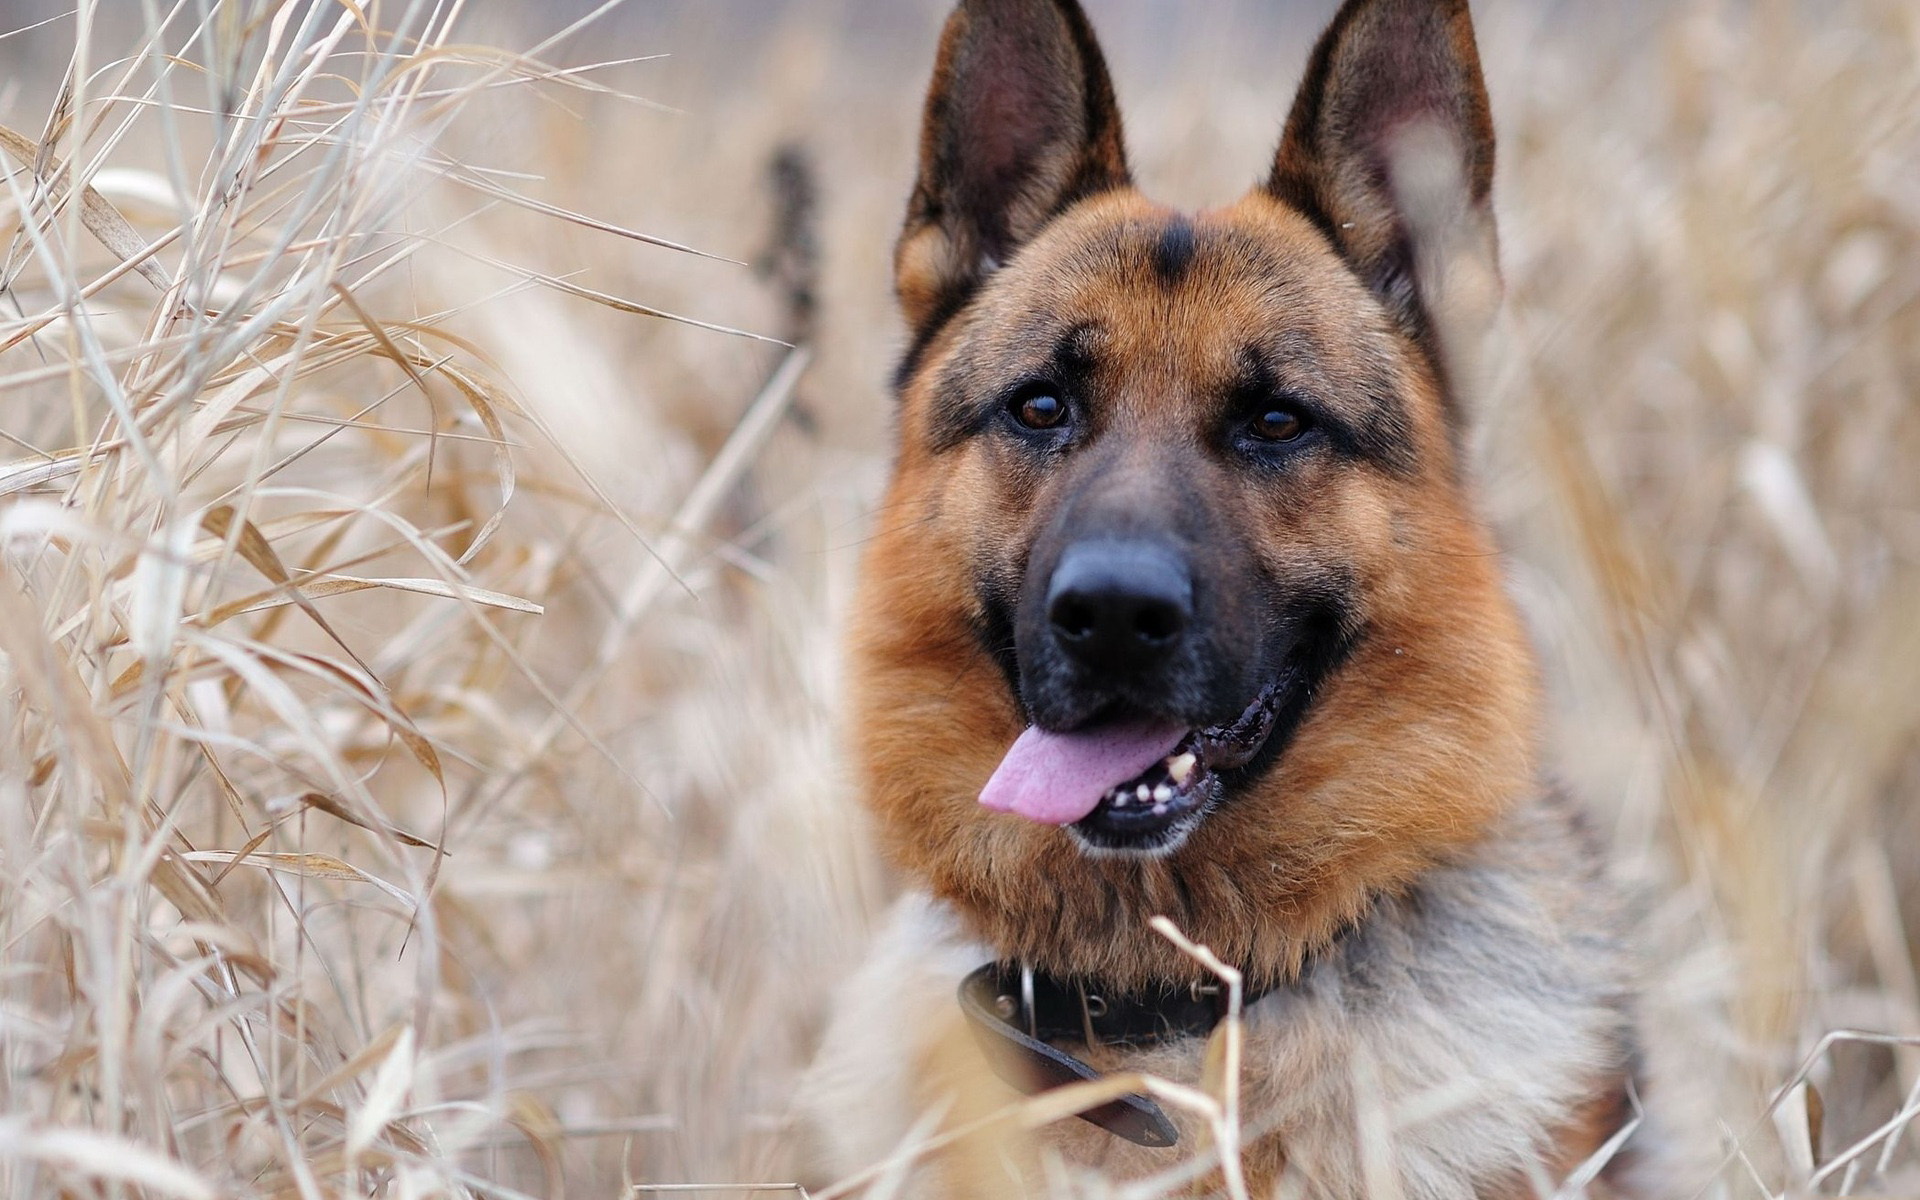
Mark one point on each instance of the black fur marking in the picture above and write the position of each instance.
(1173, 253)
(1385, 435)
(995, 631)
(1073, 360)
(952, 301)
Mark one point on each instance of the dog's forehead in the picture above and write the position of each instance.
(1158, 322)
(1140, 284)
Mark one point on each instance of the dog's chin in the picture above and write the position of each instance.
(1153, 814)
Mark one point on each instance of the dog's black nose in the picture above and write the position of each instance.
(1120, 606)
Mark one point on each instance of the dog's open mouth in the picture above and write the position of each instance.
(1131, 785)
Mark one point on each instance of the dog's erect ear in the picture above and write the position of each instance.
(1020, 123)
(1390, 149)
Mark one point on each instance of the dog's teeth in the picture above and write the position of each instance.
(1159, 810)
(1144, 792)
(1162, 794)
(1181, 768)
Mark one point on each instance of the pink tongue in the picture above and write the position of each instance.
(1058, 778)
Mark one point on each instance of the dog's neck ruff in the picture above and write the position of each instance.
(1016, 1013)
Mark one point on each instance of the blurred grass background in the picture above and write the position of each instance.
(327, 866)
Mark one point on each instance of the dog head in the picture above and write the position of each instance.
(1177, 602)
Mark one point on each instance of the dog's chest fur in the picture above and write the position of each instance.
(1456, 1031)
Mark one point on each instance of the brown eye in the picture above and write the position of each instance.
(1040, 410)
(1278, 425)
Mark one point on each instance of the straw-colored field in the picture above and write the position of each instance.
(417, 654)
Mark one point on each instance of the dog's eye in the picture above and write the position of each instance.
(1038, 409)
(1277, 424)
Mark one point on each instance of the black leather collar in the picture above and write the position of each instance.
(1015, 1013)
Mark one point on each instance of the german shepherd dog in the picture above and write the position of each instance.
(1179, 606)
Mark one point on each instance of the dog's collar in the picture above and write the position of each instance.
(1015, 1013)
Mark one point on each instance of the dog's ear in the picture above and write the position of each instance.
(1389, 148)
(1020, 123)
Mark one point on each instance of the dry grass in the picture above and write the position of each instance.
(416, 663)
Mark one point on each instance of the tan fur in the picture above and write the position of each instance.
(1404, 840)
